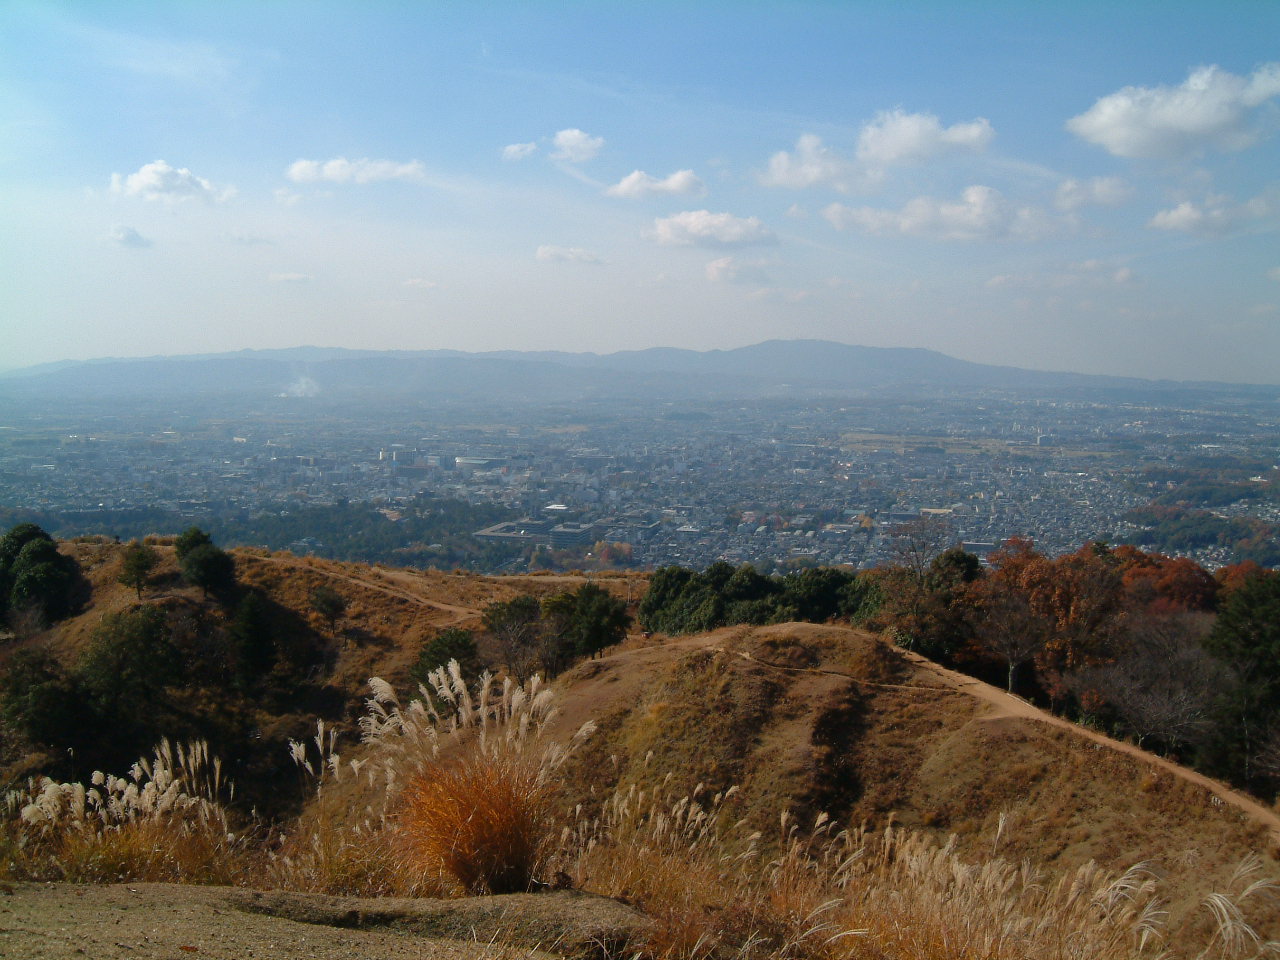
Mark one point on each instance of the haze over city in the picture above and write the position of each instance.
(1090, 188)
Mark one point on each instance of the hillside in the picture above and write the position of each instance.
(801, 717)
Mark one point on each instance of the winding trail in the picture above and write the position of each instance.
(1001, 705)
(459, 613)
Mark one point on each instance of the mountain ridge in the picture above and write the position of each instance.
(769, 368)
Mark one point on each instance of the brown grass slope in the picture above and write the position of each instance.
(824, 718)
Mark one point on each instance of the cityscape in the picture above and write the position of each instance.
(776, 483)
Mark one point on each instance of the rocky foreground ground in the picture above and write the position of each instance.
(164, 921)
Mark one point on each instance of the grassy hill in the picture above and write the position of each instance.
(922, 765)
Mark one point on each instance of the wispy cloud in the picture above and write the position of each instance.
(342, 170)
(1098, 191)
(640, 184)
(128, 237)
(707, 229)
(550, 254)
(518, 151)
(891, 138)
(981, 213)
(1216, 214)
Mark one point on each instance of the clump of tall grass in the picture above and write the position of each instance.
(828, 894)
(164, 821)
(452, 793)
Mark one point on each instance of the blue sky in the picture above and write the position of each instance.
(1082, 186)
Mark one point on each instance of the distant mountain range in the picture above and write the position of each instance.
(777, 368)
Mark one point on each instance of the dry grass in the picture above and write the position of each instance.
(454, 790)
(891, 895)
(163, 822)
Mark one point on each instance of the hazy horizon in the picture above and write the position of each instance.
(1091, 189)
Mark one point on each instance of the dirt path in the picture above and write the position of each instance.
(459, 613)
(1001, 704)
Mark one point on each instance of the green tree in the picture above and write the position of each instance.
(329, 603)
(252, 641)
(451, 643)
(42, 578)
(1246, 637)
(40, 702)
(11, 543)
(188, 540)
(125, 670)
(139, 561)
(581, 623)
(209, 568)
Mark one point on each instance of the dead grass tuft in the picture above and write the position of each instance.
(455, 789)
(164, 821)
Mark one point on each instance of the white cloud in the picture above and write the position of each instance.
(895, 136)
(420, 283)
(1274, 274)
(640, 184)
(811, 164)
(575, 146)
(982, 213)
(128, 237)
(1216, 214)
(734, 270)
(1210, 108)
(1091, 274)
(159, 181)
(1097, 192)
(892, 137)
(342, 170)
(518, 151)
(707, 229)
(549, 254)
(290, 277)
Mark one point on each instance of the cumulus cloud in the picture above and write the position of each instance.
(1210, 108)
(811, 163)
(1216, 214)
(640, 184)
(982, 213)
(575, 146)
(342, 170)
(891, 137)
(706, 229)
(550, 254)
(895, 136)
(159, 181)
(518, 151)
(1097, 192)
(128, 237)
(735, 270)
